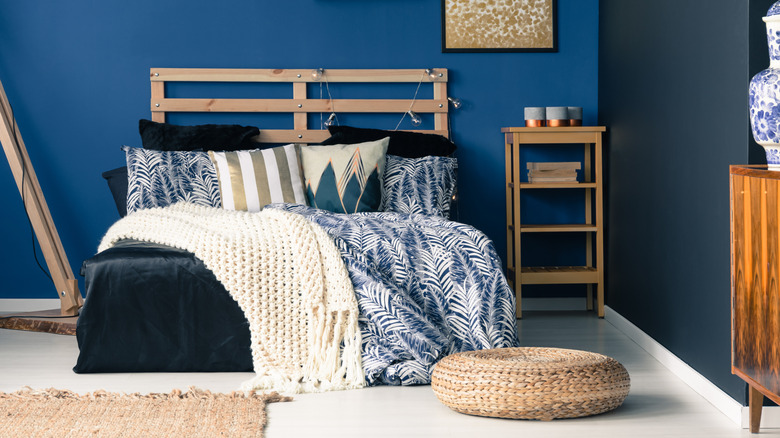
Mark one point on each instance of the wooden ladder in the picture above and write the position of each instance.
(37, 210)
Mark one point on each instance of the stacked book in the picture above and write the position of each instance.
(556, 172)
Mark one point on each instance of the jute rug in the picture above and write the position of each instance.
(195, 413)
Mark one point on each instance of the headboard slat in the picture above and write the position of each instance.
(158, 94)
(300, 119)
(307, 136)
(292, 75)
(441, 120)
(291, 105)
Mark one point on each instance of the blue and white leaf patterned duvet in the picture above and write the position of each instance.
(426, 288)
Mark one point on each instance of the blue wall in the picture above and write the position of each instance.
(668, 176)
(77, 75)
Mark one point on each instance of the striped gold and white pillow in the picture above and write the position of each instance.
(250, 180)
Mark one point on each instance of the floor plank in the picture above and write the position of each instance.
(659, 404)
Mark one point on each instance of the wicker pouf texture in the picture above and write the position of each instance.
(530, 383)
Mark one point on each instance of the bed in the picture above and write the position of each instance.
(425, 286)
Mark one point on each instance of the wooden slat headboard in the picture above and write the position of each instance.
(300, 104)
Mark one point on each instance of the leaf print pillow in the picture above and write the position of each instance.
(162, 178)
(419, 185)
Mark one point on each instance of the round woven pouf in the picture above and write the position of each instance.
(530, 383)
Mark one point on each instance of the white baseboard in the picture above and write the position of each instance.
(733, 409)
(534, 304)
(10, 305)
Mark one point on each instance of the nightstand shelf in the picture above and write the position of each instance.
(592, 274)
(557, 185)
(559, 275)
(558, 228)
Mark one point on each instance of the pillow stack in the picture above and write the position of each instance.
(355, 170)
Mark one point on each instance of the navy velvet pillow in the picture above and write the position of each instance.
(402, 143)
(167, 137)
(117, 183)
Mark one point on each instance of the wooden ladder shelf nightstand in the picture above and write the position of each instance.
(593, 271)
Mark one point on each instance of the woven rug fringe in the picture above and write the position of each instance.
(28, 393)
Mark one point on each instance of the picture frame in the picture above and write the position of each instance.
(499, 26)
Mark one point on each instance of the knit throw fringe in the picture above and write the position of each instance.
(194, 413)
(288, 278)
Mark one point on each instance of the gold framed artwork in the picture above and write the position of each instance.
(499, 26)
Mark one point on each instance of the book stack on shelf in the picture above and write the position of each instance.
(555, 172)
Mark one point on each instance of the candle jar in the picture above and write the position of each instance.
(557, 116)
(575, 115)
(535, 116)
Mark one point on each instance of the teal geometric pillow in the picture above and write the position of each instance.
(344, 178)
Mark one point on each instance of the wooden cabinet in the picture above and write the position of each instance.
(592, 273)
(755, 273)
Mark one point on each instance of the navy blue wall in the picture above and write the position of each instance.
(77, 75)
(676, 103)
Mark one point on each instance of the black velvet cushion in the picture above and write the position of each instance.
(402, 143)
(117, 183)
(167, 137)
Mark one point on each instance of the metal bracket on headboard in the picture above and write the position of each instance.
(300, 105)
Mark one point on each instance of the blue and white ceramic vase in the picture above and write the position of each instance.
(765, 94)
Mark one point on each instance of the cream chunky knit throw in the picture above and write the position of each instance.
(286, 275)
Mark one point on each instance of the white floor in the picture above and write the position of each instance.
(659, 403)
